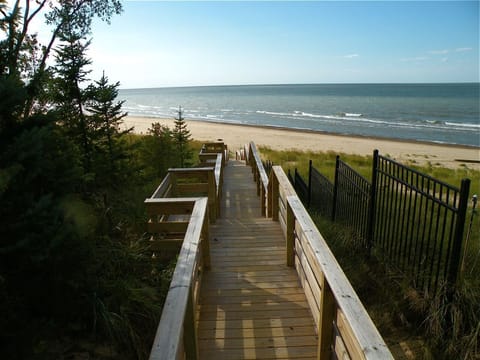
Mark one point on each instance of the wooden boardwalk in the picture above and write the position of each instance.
(252, 306)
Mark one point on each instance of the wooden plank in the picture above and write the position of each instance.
(308, 252)
(266, 306)
(290, 237)
(167, 226)
(251, 292)
(248, 285)
(191, 172)
(246, 299)
(258, 332)
(169, 206)
(325, 321)
(351, 343)
(310, 277)
(165, 244)
(163, 189)
(339, 347)
(272, 275)
(190, 331)
(265, 314)
(253, 341)
(230, 324)
(308, 291)
(262, 353)
(192, 188)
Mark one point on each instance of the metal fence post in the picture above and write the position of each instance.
(372, 201)
(309, 199)
(335, 189)
(295, 174)
(458, 237)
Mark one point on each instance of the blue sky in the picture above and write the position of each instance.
(159, 43)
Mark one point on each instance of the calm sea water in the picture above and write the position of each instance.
(444, 113)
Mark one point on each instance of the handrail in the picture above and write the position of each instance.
(176, 333)
(164, 189)
(344, 326)
(259, 175)
(210, 150)
(219, 166)
(182, 184)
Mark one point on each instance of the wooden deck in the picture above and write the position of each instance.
(252, 306)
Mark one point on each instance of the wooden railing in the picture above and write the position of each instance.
(178, 219)
(344, 327)
(219, 164)
(210, 150)
(259, 175)
(193, 182)
(176, 336)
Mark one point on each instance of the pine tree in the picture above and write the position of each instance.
(68, 95)
(181, 136)
(107, 117)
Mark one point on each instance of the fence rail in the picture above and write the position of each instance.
(414, 221)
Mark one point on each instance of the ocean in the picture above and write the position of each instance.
(440, 113)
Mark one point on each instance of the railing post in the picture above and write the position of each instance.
(290, 239)
(206, 242)
(295, 183)
(212, 196)
(190, 329)
(335, 189)
(458, 236)
(325, 321)
(273, 195)
(263, 199)
(309, 183)
(372, 201)
(173, 182)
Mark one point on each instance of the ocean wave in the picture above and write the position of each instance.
(351, 114)
(463, 125)
(263, 112)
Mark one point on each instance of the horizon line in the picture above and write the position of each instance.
(290, 84)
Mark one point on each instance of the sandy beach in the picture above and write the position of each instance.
(235, 136)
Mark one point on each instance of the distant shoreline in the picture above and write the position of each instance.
(282, 138)
(321, 132)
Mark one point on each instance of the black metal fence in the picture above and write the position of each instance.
(351, 200)
(415, 222)
(321, 192)
(301, 187)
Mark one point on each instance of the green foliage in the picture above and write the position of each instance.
(105, 120)
(158, 152)
(41, 252)
(75, 270)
